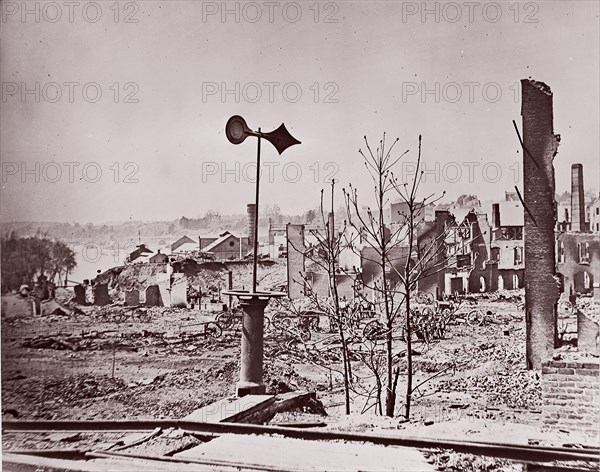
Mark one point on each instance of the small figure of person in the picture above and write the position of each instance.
(24, 291)
(51, 290)
(41, 288)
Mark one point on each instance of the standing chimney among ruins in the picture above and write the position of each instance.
(577, 199)
(540, 146)
(295, 260)
(495, 215)
(251, 211)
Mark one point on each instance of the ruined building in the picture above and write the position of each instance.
(577, 247)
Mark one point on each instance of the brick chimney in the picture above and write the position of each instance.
(495, 215)
(541, 289)
(577, 199)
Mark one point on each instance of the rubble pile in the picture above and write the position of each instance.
(280, 379)
(450, 461)
(45, 393)
(59, 343)
(590, 307)
(514, 296)
(520, 390)
(206, 275)
(197, 378)
(94, 341)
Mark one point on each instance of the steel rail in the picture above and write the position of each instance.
(73, 454)
(79, 454)
(148, 437)
(500, 450)
(190, 460)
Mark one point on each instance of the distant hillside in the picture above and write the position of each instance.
(146, 231)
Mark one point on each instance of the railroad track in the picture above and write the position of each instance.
(517, 452)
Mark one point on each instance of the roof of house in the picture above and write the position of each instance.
(217, 242)
(159, 255)
(217, 235)
(181, 241)
(460, 214)
(140, 251)
(142, 248)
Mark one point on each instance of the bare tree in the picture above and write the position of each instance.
(404, 253)
(373, 230)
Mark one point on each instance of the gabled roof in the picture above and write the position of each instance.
(224, 237)
(214, 235)
(460, 214)
(159, 255)
(139, 251)
(181, 241)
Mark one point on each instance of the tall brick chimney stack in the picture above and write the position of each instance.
(540, 146)
(251, 211)
(577, 199)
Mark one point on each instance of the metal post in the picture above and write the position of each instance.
(251, 365)
(252, 303)
(230, 287)
(255, 255)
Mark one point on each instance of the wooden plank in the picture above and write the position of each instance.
(283, 402)
(286, 453)
(231, 410)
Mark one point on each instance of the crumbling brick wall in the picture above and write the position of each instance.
(571, 395)
(572, 267)
(540, 146)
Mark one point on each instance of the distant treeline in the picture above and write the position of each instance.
(102, 234)
(27, 260)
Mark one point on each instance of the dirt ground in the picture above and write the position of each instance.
(116, 363)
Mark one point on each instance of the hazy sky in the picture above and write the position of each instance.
(152, 146)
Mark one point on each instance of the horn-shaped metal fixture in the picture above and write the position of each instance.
(237, 131)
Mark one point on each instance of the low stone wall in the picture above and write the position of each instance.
(571, 395)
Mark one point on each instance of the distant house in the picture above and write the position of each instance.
(159, 258)
(227, 246)
(184, 245)
(207, 240)
(140, 254)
